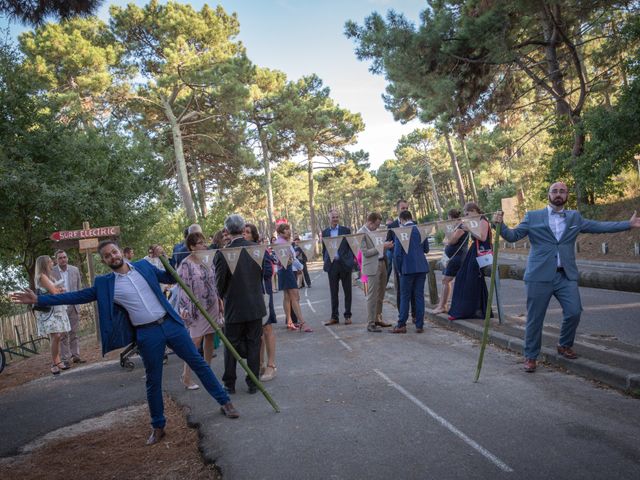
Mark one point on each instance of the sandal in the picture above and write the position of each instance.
(303, 328)
(62, 366)
(54, 369)
(292, 326)
(269, 375)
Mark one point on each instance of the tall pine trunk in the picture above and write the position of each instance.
(267, 178)
(455, 168)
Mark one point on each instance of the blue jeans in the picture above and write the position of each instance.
(538, 297)
(151, 342)
(412, 286)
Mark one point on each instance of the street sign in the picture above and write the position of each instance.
(86, 233)
(88, 244)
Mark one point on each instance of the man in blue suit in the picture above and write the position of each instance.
(551, 267)
(131, 307)
(412, 267)
(338, 269)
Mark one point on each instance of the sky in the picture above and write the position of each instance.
(300, 37)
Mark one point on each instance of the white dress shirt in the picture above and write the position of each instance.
(133, 293)
(64, 274)
(558, 224)
(334, 233)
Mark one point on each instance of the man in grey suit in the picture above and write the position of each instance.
(375, 268)
(551, 267)
(69, 348)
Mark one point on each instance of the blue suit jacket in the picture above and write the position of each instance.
(542, 263)
(180, 252)
(115, 328)
(346, 258)
(414, 261)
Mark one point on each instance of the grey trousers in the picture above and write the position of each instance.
(69, 341)
(377, 285)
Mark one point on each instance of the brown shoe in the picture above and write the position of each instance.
(567, 352)
(398, 330)
(373, 328)
(529, 365)
(419, 330)
(347, 321)
(333, 321)
(156, 435)
(382, 324)
(229, 411)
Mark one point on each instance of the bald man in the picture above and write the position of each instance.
(551, 267)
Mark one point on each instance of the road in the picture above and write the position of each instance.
(359, 405)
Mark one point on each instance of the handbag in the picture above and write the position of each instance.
(38, 308)
(484, 257)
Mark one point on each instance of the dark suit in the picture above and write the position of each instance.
(180, 252)
(339, 271)
(243, 295)
(391, 237)
(412, 267)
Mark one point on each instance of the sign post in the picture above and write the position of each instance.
(92, 277)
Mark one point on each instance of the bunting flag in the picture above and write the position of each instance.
(378, 238)
(404, 235)
(256, 252)
(355, 242)
(332, 244)
(473, 225)
(426, 231)
(448, 227)
(205, 256)
(283, 252)
(231, 255)
(307, 247)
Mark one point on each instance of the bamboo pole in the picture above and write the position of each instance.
(487, 316)
(218, 330)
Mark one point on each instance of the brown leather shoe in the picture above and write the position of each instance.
(156, 435)
(333, 321)
(229, 411)
(567, 352)
(347, 321)
(382, 324)
(529, 365)
(398, 330)
(419, 330)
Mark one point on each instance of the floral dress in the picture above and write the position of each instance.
(55, 320)
(201, 279)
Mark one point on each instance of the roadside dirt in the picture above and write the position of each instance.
(110, 447)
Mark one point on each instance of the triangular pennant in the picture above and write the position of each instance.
(355, 242)
(448, 227)
(473, 225)
(307, 247)
(404, 235)
(205, 256)
(426, 230)
(231, 255)
(378, 238)
(256, 252)
(332, 244)
(283, 252)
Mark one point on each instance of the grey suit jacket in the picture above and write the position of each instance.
(542, 263)
(369, 254)
(75, 280)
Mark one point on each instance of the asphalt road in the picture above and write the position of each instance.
(364, 405)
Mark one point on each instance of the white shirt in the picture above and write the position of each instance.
(558, 224)
(334, 233)
(64, 274)
(133, 293)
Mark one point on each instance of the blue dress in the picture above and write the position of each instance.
(456, 252)
(470, 294)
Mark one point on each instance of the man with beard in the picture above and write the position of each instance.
(131, 307)
(551, 267)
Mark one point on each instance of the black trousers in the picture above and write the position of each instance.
(305, 276)
(396, 276)
(337, 274)
(244, 336)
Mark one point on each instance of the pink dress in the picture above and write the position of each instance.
(363, 278)
(201, 280)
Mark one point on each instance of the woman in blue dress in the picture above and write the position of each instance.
(455, 251)
(470, 293)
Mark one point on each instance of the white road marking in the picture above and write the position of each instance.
(479, 448)
(335, 335)
(306, 292)
(311, 306)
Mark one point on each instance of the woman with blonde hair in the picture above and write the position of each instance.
(52, 321)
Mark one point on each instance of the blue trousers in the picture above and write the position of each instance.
(412, 288)
(538, 297)
(151, 344)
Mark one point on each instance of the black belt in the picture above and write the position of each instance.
(160, 321)
(560, 270)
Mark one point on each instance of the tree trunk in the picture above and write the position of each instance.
(312, 212)
(181, 166)
(472, 180)
(267, 178)
(455, 169)
(202, 190)
(434, 191)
